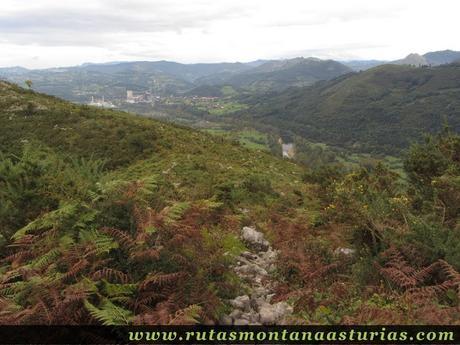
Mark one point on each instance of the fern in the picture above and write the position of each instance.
(398, 271)
(117, 290)
(144, 255)
(147, 186)
(187, 316)
(110, 274)
(109, 314)
(175, 212)
(103, 243)
(75, 269)
(91, 169)
(123, 238)
(160, 279)
(50, 220)
(45, 259)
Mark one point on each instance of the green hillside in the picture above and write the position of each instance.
(379, 110)
(122, 213)
(108, 218)
(280, 74)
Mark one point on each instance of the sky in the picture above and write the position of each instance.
(49, 33)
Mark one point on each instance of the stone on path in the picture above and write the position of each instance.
(255, 267)
(255, 238)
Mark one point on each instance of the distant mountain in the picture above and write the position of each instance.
(278, 75)
(435, 58)
(362, 65)
(187, 72)
(442, 57)
(112, 79)
(80, 83)
(412, 60)
(17, 70)
(378, 110)
(256, 63)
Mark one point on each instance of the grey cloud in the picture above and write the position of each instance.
(331, 52)
(79, 26)
(324, 16)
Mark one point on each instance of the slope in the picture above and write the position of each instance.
(119, 219)
(378, 110)
(108, 218)
(281, 74)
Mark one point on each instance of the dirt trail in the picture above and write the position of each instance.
(256, 267)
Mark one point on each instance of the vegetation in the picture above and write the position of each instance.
(381, 250)
(381, 110)
(108, 218)
(280, 75)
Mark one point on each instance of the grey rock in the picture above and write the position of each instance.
(241, 302)
(270, 296)
(235, 314)
(255, 268)
(261, 302)
(270, 255)
(258, 292)
(249, 255)
(241, 322)
(267, 315)
(281, 309)
(250, 316)
(251, 269)
(255, 238)
(226, 320)
(271, 268)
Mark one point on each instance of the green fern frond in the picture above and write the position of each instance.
(209, 204)
(106, 188)
(117, 290)
(45, 259)
(103, 243)
(12, 289)
(149, 185)
(85, 218)
(109, 314)
(91, 169)
(50, 220)
(175, 212)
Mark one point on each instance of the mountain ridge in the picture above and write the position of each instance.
(381, 109)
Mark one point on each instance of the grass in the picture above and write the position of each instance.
(248, 138)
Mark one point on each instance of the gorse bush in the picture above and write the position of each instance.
(390, 245)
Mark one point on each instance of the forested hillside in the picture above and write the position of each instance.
(109, 218)
(280, 75)
(379, 110)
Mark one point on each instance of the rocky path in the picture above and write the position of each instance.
(256, 267)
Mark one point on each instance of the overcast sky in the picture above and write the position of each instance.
(46, 33)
